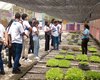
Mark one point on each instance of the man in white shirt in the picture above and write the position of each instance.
(16, 33)
(27, 29)
(3, 35)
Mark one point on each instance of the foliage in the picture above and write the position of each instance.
(64, 63)
(65, 47)
(74, 74)
(92, 75)
(59, 56)
(95, 59)
(83, 63)
(95, 54)
(52, 63)
(63, 52)
(72, 53)
(82, 57)
(92, 49)
(54, 74)
(70, 57)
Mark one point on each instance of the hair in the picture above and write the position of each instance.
(52, 21)
(24, 16)
(87, 26)
(47, 23)
(17, 16)
(35, 22)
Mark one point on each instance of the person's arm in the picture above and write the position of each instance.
(6, 38)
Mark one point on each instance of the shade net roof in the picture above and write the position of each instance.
(73, 10)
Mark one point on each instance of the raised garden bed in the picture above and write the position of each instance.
(64, 63)
(52, 63)
(63, 52)
(84, 65)
(59, 56)
(54, 74)
(69, 57)
(95, 59)
(74, 74)
(82, 57)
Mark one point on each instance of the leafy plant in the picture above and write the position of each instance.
(82, 57)
(69, 57)
(72, 53)
(95, 59)
(92, 49)
(63, 52)
(92, 75)
(74, 74)
(59, 56)
(64, 63)
(83, 63)
(52, 63)
(54, 74)
(95, 54)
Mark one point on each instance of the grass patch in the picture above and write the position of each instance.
(59, 56)
(95, 59)
(82, 57)
(69, 57)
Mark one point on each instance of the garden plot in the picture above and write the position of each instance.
(67, 64)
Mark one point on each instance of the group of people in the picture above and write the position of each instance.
(22, 36)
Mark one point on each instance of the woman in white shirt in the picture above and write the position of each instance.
(35, 34)
(47, 31)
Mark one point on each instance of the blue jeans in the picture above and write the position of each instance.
(1, 62)
(56, 42)
(36, 45)
(17, 49)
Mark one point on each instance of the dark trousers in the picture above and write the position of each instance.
(1, 61)
(10, 55)
(17, 49)
(47, 41)
(60, 37)
(84, 45)
(31, 45)
(52, 41)
(56, 43)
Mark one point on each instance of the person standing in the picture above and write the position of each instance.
(10, 48)
(28, 30)
(3, 34)
(35, 34)
(85, 39)
(15, 34)
(51, 26)
(55, 33)
(47, 35)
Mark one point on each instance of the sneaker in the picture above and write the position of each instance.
(2, 72)
(37, 58)
(16, 71)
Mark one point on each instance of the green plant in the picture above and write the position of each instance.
(52, 63)
(72, 53)
(59, 56)
(83, 63)
(65, 47)
(76, 49)
(54, 74)
(74, 74)
(82, 57)
(95, 54)
(92, 49)
(92, 75)
(69, 57)
(63, 52)
(64, 63)
(95, 59)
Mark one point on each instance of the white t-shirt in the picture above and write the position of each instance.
(46, 28)
(34, 29)
(59, 25)
(55, 31)
(16, 31)
(26, 27)
(2, 30)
